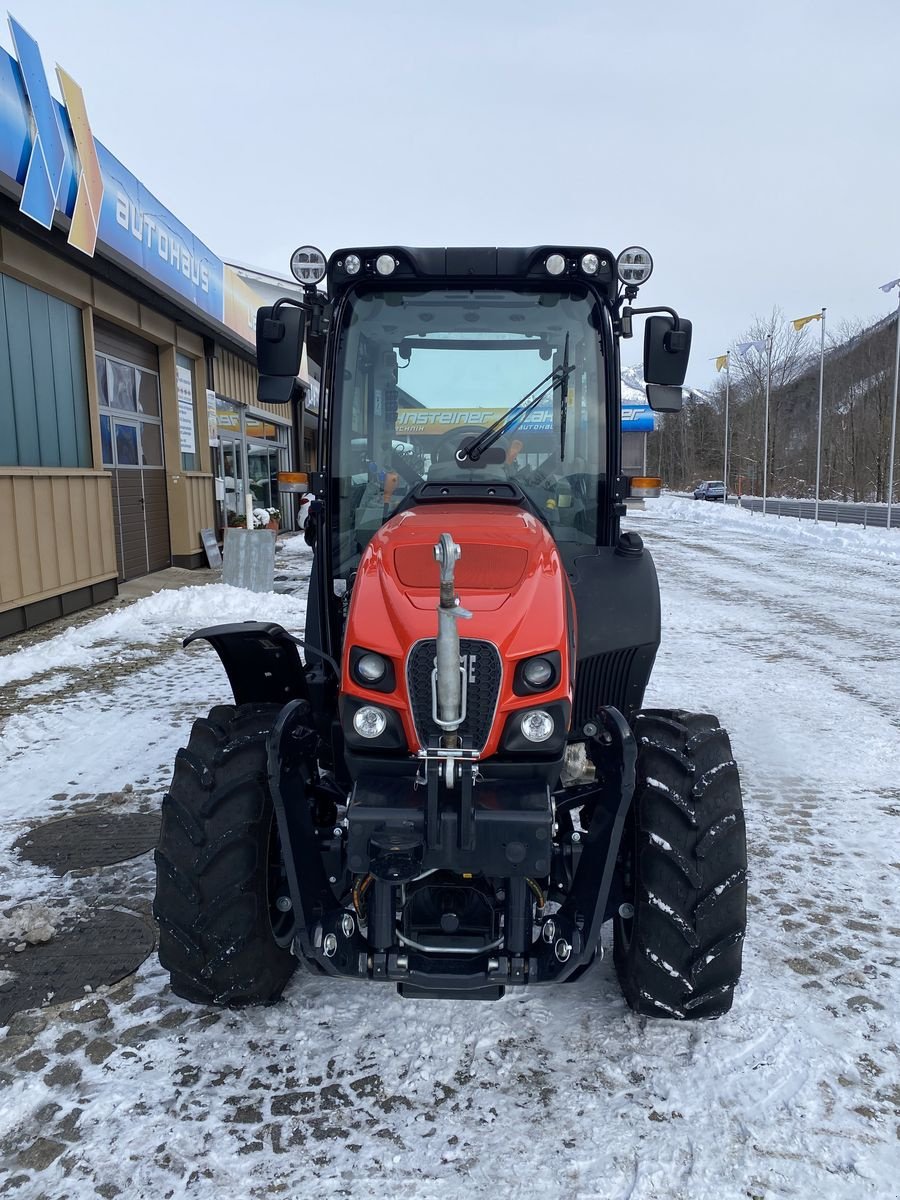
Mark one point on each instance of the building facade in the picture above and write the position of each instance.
(128, 413)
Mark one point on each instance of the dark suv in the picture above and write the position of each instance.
(710, 489)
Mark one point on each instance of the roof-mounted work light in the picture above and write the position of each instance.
(634, 266)
(308, 265)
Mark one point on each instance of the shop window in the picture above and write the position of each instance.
(44, 418)
(187, 415)
(106, 439)
(151, 445)
(147, 392)
(102, 381)
(126, 444)
(123, 391)
(125, 388)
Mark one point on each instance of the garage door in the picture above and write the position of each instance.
(131, 435)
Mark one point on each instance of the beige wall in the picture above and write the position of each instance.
(56, 530)
(237, 380)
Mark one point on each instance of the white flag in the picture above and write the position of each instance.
(887, 287)
(744, 347)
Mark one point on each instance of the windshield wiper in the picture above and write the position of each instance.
(564, 402)
(512, 416)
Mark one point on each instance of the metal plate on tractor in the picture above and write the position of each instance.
(102, 949)
(93, 839)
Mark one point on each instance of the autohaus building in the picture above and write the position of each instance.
(126, 363)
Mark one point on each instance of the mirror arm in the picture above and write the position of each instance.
(662, 308)
(273, 329)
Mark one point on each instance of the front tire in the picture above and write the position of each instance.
(678, 953)
(218, 865)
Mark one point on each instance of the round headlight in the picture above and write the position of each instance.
(537, 672)
(369, 721)
(634, 265)
(537, 725)
(308, 265)
(371, 667)
(555, 264)
(385, 264)
(352, 264)
(590, 264)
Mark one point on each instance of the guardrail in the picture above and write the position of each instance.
(832, 512)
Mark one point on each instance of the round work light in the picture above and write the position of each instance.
(555, 264)
(308, 265)
(634, 265)
(352, 264)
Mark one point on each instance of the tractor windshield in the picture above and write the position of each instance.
(422, 373)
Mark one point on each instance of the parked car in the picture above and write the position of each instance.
(710, 489)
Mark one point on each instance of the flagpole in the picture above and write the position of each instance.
(890, 494)
(766, 432)
(819, 435)
(727, 388)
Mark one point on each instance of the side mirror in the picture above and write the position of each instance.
(666, 351)
(280, 331)
(664, 399)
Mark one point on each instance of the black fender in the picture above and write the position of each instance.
(261, 659)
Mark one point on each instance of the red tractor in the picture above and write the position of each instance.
(449, 784)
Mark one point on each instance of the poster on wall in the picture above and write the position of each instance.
(212, 417)
(186, 410)
(312, 396)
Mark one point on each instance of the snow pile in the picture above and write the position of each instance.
(29, 923)
(295, 546)
(162, 617)
(876, 543)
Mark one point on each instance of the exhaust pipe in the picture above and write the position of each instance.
(449, 708)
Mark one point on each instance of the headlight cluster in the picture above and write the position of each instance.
(537, 725)
(538, 674)
(369, 721)
(385, 264)
(371, 670)
(556, 264)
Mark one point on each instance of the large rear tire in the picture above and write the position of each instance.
(678, 953)
(218, 865)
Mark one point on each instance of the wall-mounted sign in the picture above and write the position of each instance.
(185, 384)
(49, 151)
(637, 418)
(428, 421)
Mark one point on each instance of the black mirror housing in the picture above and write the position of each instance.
(667, 350)
(664, 399)
(279, 351)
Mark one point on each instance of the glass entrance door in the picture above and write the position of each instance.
(233, 476)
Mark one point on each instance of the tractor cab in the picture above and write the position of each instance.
(461, 786)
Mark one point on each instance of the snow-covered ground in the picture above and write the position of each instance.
(793, 639)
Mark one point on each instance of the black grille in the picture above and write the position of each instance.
(601, 680)
(481, 662)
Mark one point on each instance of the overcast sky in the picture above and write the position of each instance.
(752, 148)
